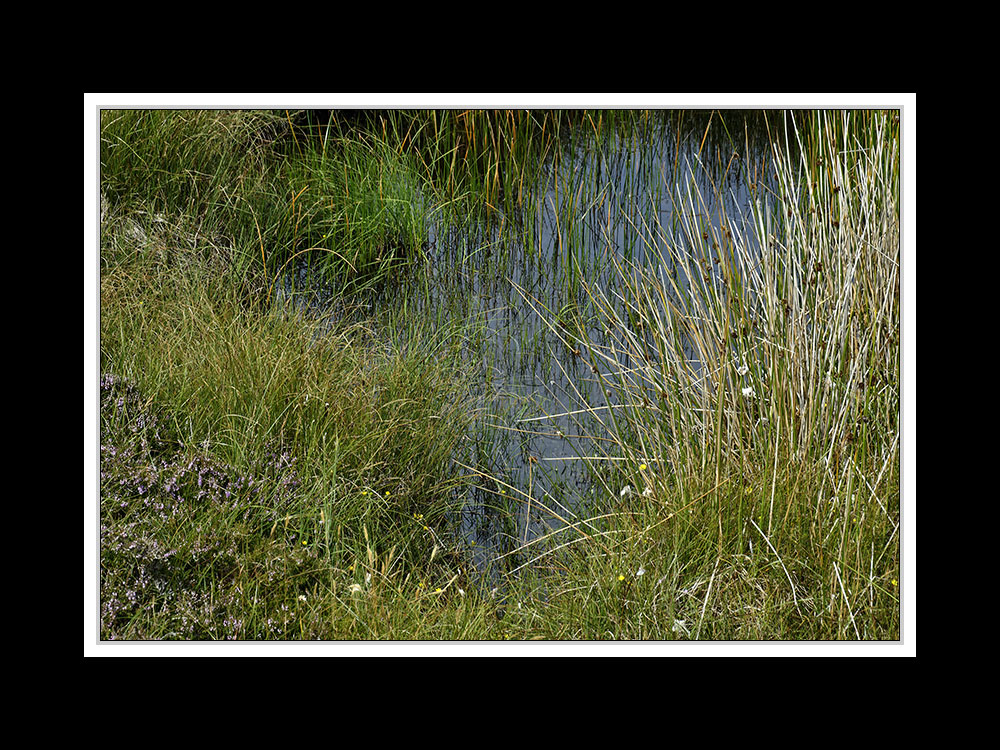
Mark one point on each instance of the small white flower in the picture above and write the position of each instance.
(748, 392)
(743, 369)
(679, 626)
(626, 490)
(647, 492)
(640, 571)
(302, 597)
(461, 592)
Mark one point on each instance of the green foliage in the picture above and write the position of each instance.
(278, 472)
(757, 365)
(359, 208)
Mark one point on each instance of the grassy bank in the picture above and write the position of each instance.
(272, 472)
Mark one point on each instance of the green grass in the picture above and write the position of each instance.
(368, 430)
(359, 205)
(756, 365)
(270, 475)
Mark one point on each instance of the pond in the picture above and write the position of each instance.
(602, 205)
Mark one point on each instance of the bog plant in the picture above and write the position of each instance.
(359, 210)
(272, 471)
(754, 363)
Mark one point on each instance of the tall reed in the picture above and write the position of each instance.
(752, 368)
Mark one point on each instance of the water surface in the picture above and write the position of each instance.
(599, 203)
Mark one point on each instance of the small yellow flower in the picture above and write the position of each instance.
(895, 582)
(621, 578)
(437, 591)
(642, 467)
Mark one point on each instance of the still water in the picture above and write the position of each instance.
(537, 440)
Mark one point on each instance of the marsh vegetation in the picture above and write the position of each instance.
(488, 375)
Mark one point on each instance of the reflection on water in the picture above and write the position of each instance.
(601, 206)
